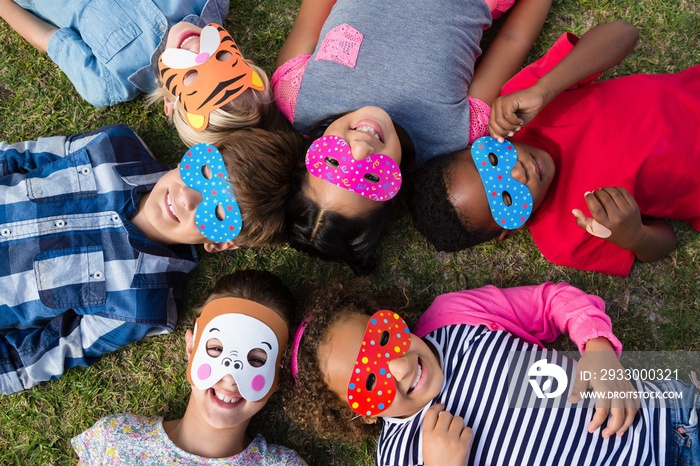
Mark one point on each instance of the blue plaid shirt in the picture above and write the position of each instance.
(77, 278)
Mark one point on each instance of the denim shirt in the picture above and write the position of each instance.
(77, 278)
(109, 48)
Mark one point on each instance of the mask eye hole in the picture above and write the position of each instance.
(223, 55)
(190, 77)
(257, 357)
(506, 198)
(493, 158)
(331, 161)
(384, 339)
(220, 214)
(371, 177)
(206, 172)
(371, 382)
(214, 347)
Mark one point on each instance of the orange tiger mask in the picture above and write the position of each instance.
(210, 79)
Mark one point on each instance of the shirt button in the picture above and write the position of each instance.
(494, 326)
(163, 27)
(97, 275)
(85, 170)
(115, 218)
(60, 223)
(5, 232)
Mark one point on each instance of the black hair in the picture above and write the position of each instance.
(328, 234)
(433, 213)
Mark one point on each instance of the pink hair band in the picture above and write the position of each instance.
(295, 346)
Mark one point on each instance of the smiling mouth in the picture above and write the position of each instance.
(419, 373)
(169, 207)
(186, 38)
(226, 399)
(538, 170)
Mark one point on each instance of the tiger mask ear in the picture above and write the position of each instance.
(205, 81)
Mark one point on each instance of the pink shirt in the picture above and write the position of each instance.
(534, 313)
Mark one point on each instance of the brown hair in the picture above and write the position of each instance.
(261, 164)
(259, 286)
(309, 402)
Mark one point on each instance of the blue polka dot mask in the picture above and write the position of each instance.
(372, 389)
(217, 217)
(510, 200)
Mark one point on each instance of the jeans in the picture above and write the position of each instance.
(684, 438)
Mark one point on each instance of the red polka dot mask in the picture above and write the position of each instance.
(238, 337)
(510, 200)
(372, 388)
(217, 217)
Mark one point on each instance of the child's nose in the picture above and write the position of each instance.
(400, 368)
(361, 150)
(518, 172)
(189, 198)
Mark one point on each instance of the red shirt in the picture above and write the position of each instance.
(639, 132)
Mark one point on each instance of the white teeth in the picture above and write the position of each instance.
(225, 398)
(170, 206)
(369, 130)
(415, 382)
(184, 42)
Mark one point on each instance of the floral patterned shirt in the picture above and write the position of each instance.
(122, 439)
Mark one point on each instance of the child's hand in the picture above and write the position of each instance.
(606, 375)
(446, 440)
(509, 113)
(616, 217)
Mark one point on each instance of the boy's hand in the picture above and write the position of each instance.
(616, 217)
(509, 113)
(446, 440)
(605, 374)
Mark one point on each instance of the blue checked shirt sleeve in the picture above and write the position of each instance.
(26, 156)
(34, 355)
(93, 81)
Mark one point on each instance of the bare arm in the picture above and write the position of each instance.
(506, 54)
(303, 37)
(36, 31)
(599, 49)
(616, 211)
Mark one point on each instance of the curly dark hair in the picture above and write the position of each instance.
(327, 234)
(433, 213)
(309, 402)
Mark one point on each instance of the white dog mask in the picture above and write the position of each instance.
(241, 327)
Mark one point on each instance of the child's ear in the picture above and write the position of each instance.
(218, 247)
(168, 106)
(189, 342)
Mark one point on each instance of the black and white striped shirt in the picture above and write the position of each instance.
(478, 365)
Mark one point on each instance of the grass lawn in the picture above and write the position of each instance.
(656, 308)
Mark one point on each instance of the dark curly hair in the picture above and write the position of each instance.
(327, 234)
(309, 402)
(433, 213)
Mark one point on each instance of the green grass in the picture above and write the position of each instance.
(656, 308)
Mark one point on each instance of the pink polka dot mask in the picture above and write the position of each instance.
(510, 200)
(377, 177)
(372, 388)
(230, 337)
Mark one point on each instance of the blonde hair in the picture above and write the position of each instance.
(250, 109)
